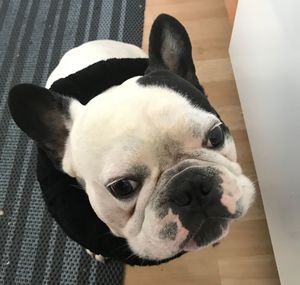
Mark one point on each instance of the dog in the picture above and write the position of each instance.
(158, 164)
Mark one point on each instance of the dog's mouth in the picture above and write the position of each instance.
(210, 232)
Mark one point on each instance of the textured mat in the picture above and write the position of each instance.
(33, 36)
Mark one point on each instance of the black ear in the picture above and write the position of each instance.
(43, 115)
(170, 48)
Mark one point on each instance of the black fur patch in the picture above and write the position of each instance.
(170, 49)
(169, 231)
(168, 79)
(96, 78)
(42, 115)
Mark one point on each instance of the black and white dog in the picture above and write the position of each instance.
(156, 161)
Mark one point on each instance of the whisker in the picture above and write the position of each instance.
(143, 262)
(122, 246)
(128, 257)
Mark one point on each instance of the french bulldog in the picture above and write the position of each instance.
(157, 162)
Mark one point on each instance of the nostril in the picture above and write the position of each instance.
(182, 199)
(194, 186)
(202, 184)
(205, 189)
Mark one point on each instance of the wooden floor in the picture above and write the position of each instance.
(245, 257)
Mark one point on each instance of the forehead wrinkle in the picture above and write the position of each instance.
(199, 128)
(167, 149)
(141, 172)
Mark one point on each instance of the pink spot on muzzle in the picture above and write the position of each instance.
(229, 203)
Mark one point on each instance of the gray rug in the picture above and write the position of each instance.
(34, 34)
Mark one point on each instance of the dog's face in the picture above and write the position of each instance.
(157, 162)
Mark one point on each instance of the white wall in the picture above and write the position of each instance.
(265, 55)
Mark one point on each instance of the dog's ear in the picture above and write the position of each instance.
(170, 48)
(44, 116)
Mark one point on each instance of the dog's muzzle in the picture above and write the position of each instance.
(195, 195)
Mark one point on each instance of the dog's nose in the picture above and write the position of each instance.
(192, 185)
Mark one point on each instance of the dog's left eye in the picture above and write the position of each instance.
(215, 137)
(122, 188)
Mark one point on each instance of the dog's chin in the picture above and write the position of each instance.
(210, 232)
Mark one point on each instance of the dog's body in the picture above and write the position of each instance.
(156, 161)
(88, 53)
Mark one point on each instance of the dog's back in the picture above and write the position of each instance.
(88, 53)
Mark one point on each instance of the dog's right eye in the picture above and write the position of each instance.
(215, 137)
(122, 188)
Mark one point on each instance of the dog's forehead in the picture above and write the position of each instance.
(143, 108)
(170, 80)
(136, 120)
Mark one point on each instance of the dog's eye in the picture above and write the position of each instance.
(215, 137)
(122, 188)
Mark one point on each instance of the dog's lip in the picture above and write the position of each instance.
(237, 214)
(189, 244)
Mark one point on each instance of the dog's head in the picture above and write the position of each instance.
(157, 162)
